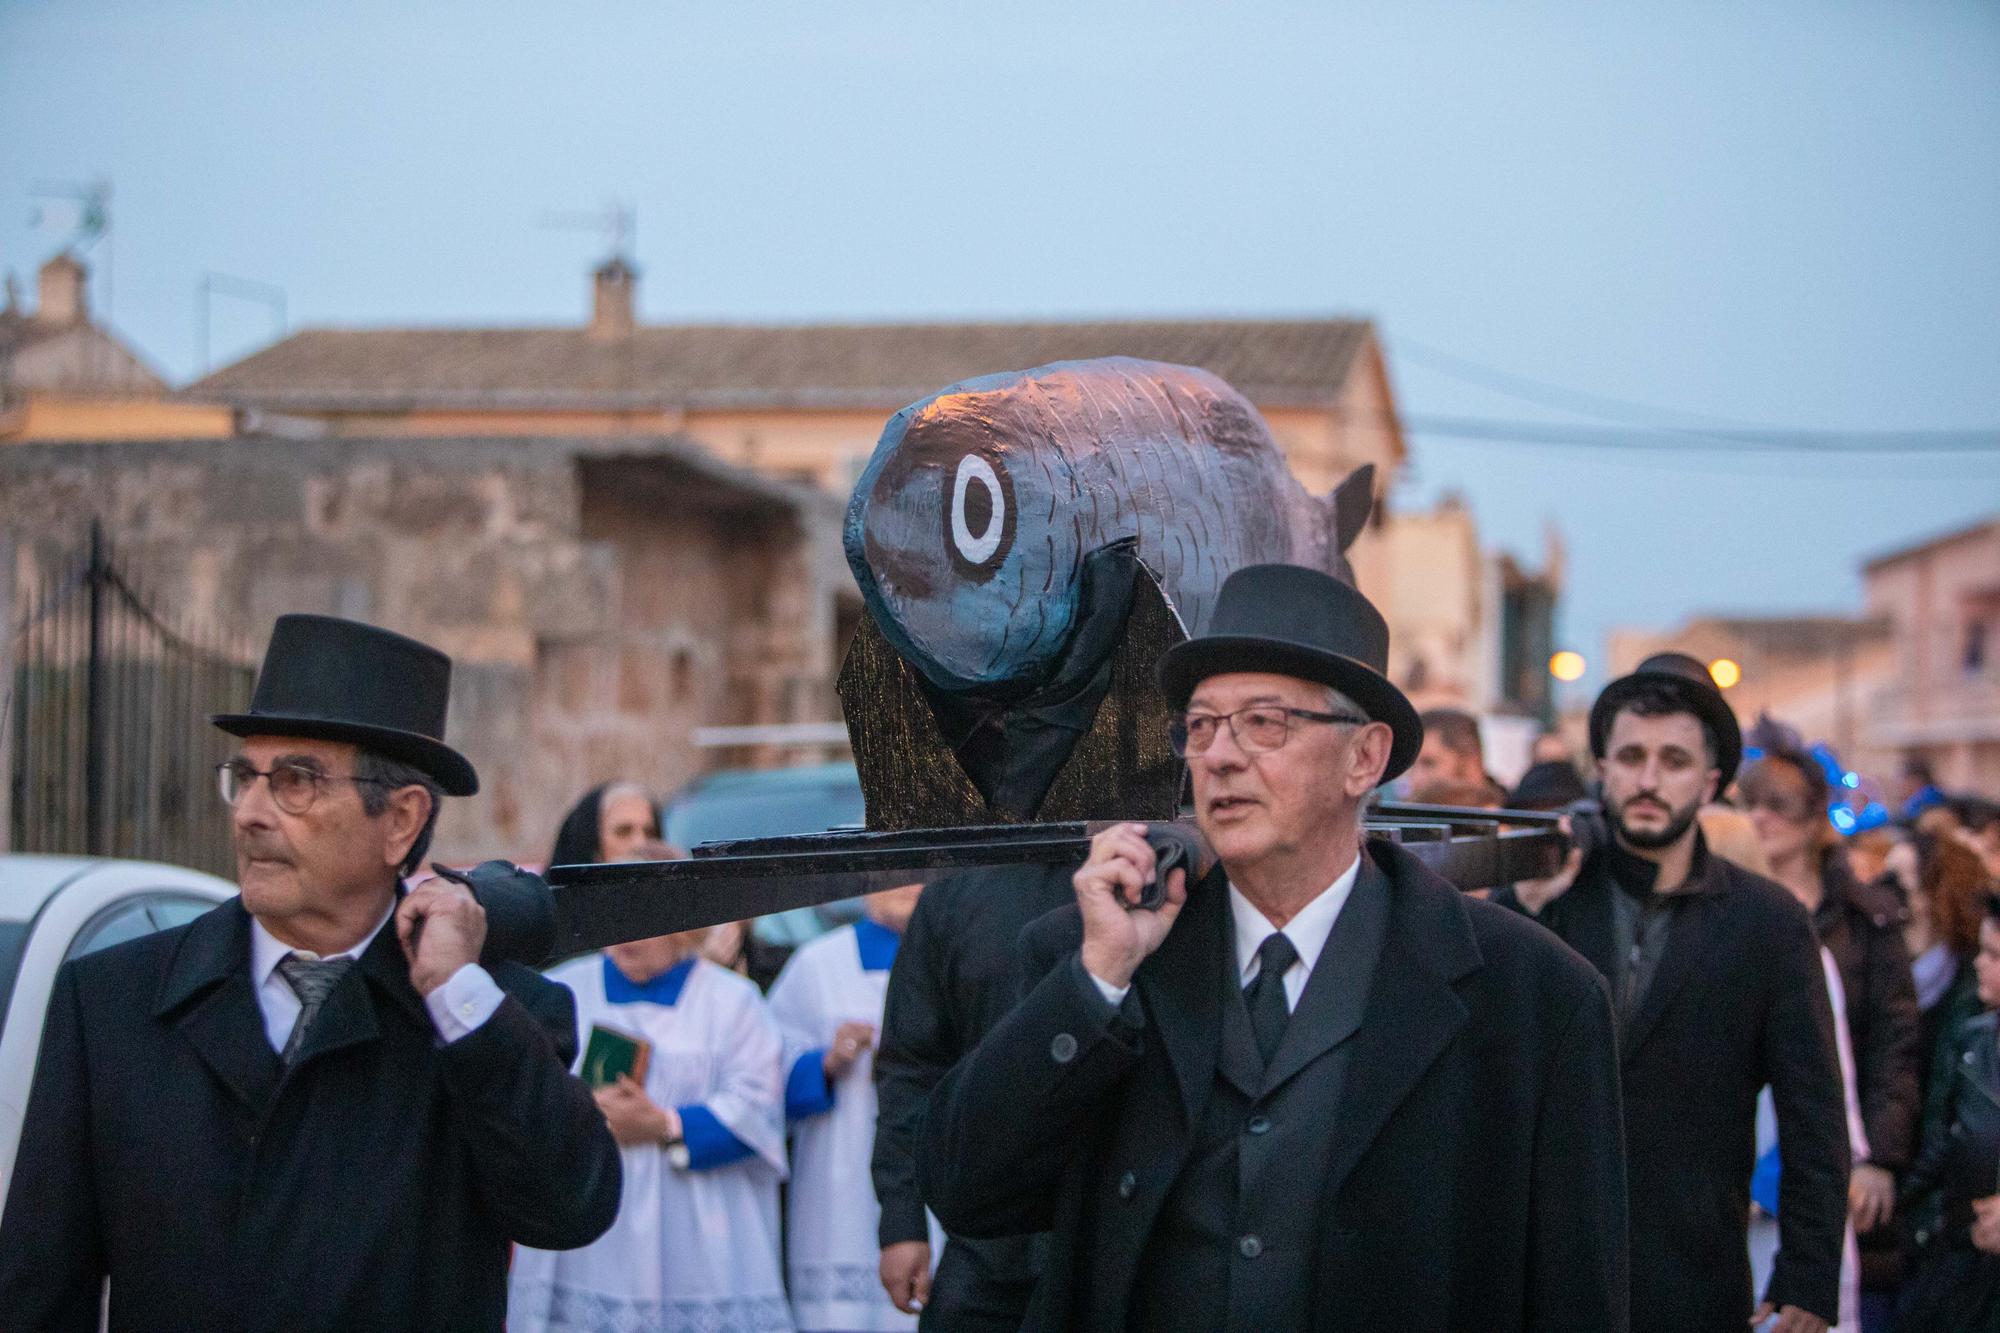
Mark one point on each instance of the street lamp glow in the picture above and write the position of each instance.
(1567, 665)
(1724, 672)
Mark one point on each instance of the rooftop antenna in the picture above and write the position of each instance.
(214, 284)
(87, 206)
(86, 209)
(617, 221)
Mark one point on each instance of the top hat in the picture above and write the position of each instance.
(340, 680)
(1688, 679)
(1299, 622)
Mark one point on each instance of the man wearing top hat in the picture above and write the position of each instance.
(1717, 986)
(1319, 1088)
(311, 1108)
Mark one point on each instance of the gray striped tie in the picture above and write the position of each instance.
(310, 979)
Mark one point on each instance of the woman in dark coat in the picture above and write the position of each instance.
(614, 822)
(1861, 925)
(1957, 1287)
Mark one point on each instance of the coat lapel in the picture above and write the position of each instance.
(1337, 991)
(1690, 940)
(1588, 926)
(208, 998)
(1178, 985)
(1412, 1012)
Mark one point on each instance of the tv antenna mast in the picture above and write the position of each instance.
(617, 222)
(86, 208)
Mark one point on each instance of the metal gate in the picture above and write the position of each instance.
(107, 734)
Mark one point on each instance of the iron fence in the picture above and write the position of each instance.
(107, 734)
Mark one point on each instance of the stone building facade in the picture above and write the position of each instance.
(601, 598)
(1942, 704)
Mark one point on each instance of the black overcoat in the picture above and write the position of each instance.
(1738, 1001)
(1861, 925)
(375, 1185)
(957, 972)
(1474, 1176)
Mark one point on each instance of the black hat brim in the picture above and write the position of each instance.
(1187, 664)
(1706, 704)
(451, 770)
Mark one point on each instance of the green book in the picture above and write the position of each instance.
(611, 1054)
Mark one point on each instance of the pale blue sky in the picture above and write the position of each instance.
(1786, 214)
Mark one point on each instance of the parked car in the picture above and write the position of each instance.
(52, 909)
(772, 803)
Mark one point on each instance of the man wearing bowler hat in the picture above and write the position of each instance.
(1318, 1088)
(1716, 981)
(311, 1108)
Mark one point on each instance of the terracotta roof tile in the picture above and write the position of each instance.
(879, 366)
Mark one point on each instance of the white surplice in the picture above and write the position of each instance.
(832, 1250)
(691, 1249)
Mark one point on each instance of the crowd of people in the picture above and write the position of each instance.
(1723, 1063)
(1903, 912)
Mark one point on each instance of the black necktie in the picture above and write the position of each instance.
(311, 979)
(1265, 995)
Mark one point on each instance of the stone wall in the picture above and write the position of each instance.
(600, 597)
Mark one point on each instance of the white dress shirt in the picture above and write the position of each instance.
(466, 1000)
(1308, 931)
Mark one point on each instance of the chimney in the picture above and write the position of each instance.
(62, 296)
(611, 308)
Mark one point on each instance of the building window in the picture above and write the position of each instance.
(1974, 658)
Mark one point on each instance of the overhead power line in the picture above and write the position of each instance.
(1546, 394)
(1648, 426)
(1633, 439)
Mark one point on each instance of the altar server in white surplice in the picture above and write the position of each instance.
(695, 1246)
(828, 1003)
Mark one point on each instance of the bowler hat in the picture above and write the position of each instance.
(340, 680)
(1299, 622)
(1687, 678)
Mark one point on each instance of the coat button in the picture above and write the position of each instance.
(1259, 1124)
(1063, 1049)
(1128, 1184)
(1250, 1247)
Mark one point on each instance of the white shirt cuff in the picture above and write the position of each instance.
(1115, 994)
(466, 1000)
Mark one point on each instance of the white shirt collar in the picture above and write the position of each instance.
(1307, 931)
(267, 950)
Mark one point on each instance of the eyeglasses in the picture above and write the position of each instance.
(1792, 811)
(1257, 730)
(294, 787)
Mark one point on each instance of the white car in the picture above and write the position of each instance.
(54, 908)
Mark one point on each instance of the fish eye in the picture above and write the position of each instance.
(979, 518)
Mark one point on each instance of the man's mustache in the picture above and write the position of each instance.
(252, 847)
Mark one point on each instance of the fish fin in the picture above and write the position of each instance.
(1348, 506)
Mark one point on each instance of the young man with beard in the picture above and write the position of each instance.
(1717, 989)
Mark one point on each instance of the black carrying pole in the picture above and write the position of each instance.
(728, 881)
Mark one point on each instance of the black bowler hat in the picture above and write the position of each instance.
(1294, 621)
(340, 680)
(1687, 678)
(1549, 785)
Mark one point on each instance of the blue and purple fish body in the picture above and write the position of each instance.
(969, 528)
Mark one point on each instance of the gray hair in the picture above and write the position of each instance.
(1336, 702)
(379, 777)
